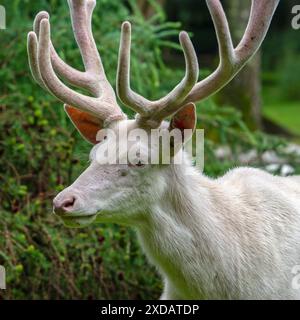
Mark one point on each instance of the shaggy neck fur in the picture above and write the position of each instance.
(171, 236)
(224, 238)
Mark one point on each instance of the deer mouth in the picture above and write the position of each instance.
(77, 221)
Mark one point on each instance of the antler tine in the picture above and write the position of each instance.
(81, 15)
(259, 22)
(32, 49)
(147, 108)
(233, 60)
(95, 106)
(226, 50)
(44, 62)
(73, 76)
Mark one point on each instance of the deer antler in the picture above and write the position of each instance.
(44, 62)
(140, 104)
(231, 62)
(147, 108)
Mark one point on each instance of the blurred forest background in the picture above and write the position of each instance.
(254, 120)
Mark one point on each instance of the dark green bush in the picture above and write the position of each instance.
(281, 58)
(41, 153)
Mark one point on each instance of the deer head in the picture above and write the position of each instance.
(121, 192)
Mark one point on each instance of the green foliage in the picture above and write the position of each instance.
(45, 260)
(289, 78)
(280, 78)
(282, 59)
(41, 153)
(224, 127)
(285, 114)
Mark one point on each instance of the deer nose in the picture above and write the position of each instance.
(63, 206)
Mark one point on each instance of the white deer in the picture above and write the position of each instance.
(236, 237)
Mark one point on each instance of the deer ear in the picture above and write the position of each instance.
(86, 124)
(185, 118)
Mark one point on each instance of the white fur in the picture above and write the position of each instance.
(236, 237)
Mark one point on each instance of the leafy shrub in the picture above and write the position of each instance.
(289, 78)
(281, 58)
(41, 153)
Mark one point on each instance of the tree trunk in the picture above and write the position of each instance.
(244, 91)
(147, 9)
